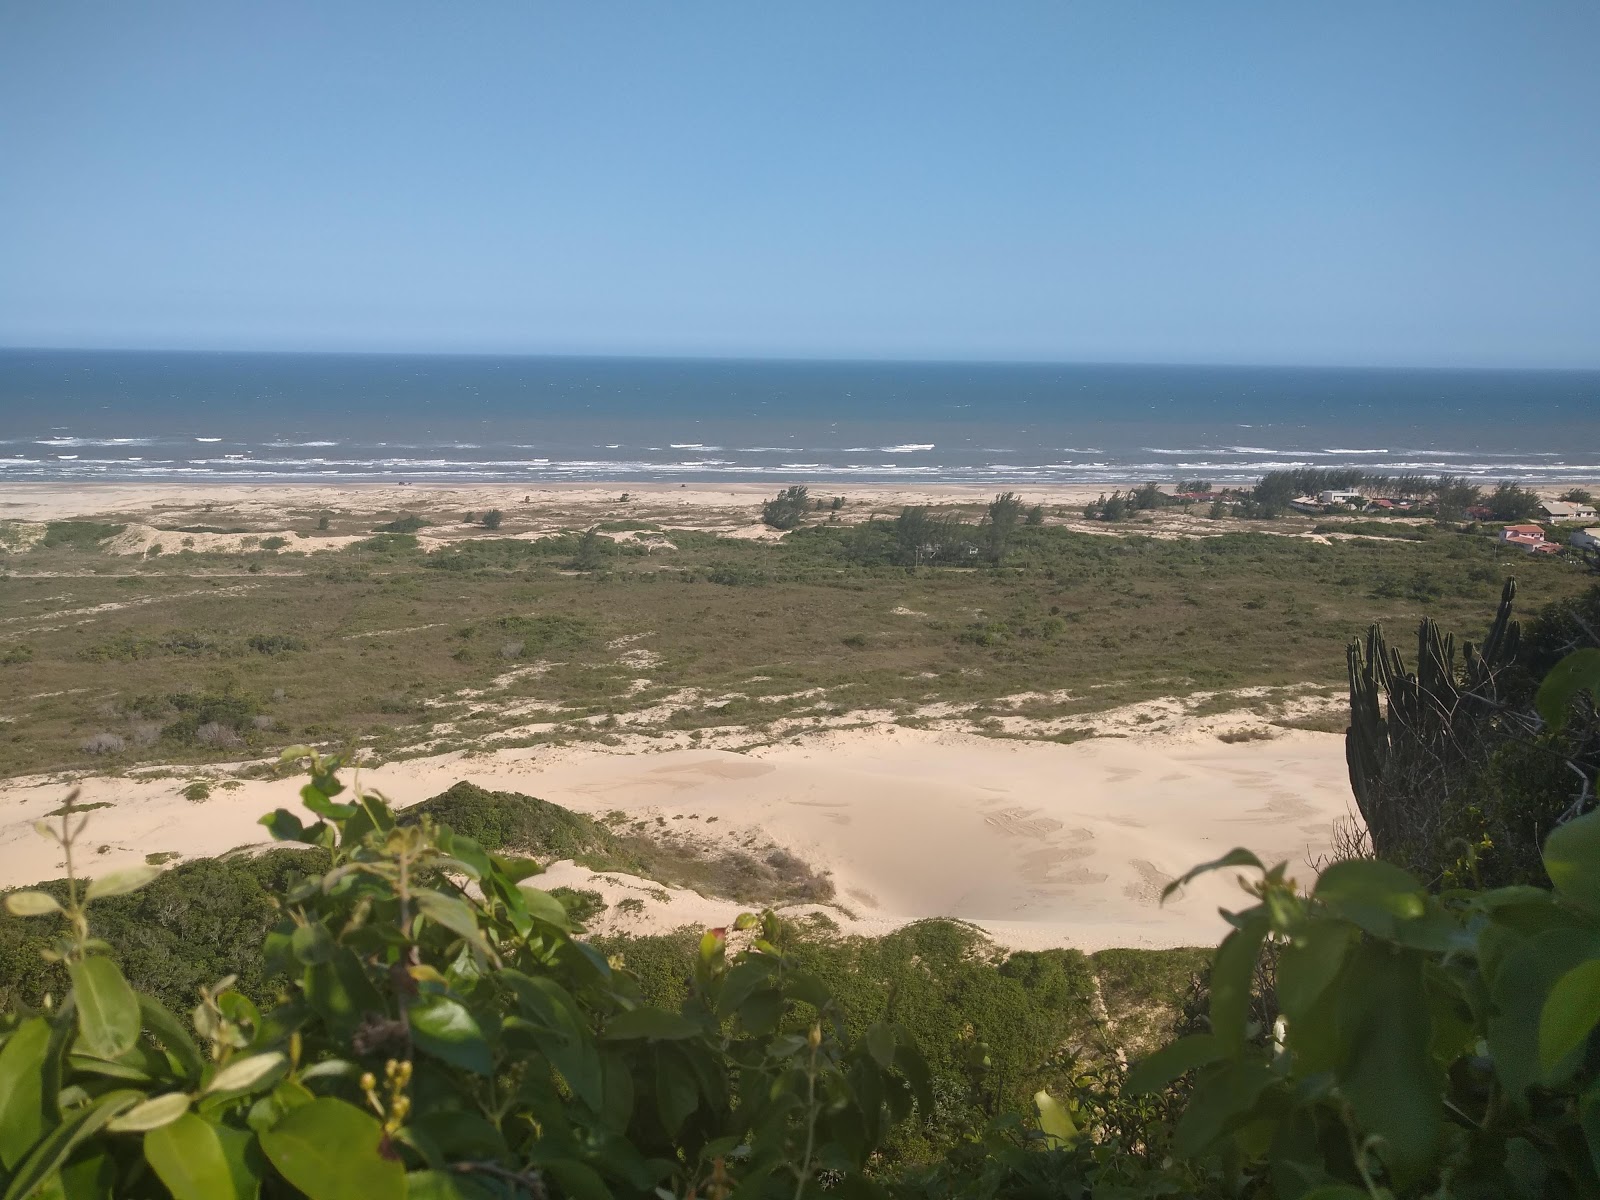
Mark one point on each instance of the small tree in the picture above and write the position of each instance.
(1005, 514)
(322, 521)
(1453, 495)
(492, 518)
(838, 503)
(1219, 509)
(592, 551)
(1577, 496)
(787, 508)
(1509, 502)
(1035, 515)
(1148, 495)
(470, 519)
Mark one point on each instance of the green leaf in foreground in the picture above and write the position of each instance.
(1157, 1070)
(243, 1074)
(1572, 860)
(445, 1029)
(653, 1023)
(1571, 1011)
(201, 1161)
(22, 1089)
(1054, 1120)
(31, 904)
(120, 883)
(1372, 894)
(441, 1185)
(152, 1113)
(108, 1011)
(331, 1150)
(1577, 672)
(56, 1146)
(1237, 857)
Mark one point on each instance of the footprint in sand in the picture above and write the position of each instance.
(1047, 868)
(1022, 822)
(1146, 889)
(1281, 807)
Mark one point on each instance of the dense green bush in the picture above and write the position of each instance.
(76, 535)
(517, 824)
(787, 509)
(409, 523)
(188, 928)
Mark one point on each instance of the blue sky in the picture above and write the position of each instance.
(1353, 183)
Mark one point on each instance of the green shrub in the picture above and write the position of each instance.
(409, 523)
(76, 535)
(386, 543)
(516, 824)
(787, 509)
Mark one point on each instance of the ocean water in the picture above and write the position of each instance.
(113, 415)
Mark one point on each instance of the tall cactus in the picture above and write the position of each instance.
(1411, 732)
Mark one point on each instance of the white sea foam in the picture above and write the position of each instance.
(92, 441)
(908, 448)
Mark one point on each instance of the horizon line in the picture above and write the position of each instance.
(840, 359)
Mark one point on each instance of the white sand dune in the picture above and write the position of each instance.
(1040, 844)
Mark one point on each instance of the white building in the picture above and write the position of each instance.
(1339, 497)
(1561, 510)
(1586, 539)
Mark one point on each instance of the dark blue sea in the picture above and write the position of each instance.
(104, 415)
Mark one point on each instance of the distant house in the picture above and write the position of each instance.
(1561, 510)
(1305, 504)
(1544, 548)
(1336, 497)
(1528, 537)
(1479, 512)
(1585, 539)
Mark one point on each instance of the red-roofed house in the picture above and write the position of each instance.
(1528, 537)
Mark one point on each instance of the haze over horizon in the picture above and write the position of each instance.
(1059, 183)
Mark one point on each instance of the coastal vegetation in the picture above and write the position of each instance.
(665, 630)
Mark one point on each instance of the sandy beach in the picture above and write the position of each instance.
(1039, 844)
